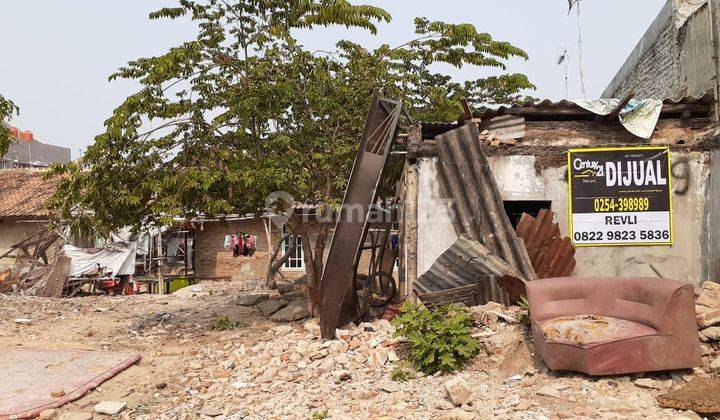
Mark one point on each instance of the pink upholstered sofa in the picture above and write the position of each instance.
(607, 326)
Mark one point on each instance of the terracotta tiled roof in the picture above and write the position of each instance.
(24, 192)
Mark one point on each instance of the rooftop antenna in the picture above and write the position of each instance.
(572, 3)
(563, 60)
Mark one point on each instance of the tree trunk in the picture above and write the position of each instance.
(275, 264)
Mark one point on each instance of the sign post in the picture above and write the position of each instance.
(620, 196)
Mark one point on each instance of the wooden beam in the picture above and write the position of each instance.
(616, 112)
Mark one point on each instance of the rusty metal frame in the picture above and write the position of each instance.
(338, 300)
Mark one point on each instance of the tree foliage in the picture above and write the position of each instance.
(243, 110)
(7, 110)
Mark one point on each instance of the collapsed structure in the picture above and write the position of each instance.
(526, 147)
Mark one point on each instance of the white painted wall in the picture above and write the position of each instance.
(518, 180)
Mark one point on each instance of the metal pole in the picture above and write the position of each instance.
(714, 46)
(580, 52)
(161, 281)
(186, 251)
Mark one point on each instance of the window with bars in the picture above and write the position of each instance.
(296, 261)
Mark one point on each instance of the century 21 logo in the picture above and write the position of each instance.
(588, 168)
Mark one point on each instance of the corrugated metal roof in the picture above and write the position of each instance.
(466, 263)
(550, 253)
(547, 109)
(24, 193)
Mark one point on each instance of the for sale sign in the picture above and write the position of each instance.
(620, 196)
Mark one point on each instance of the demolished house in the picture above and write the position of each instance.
(468, 187)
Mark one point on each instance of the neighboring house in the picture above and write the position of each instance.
(23, 194)
(29, 152)
(213, 261)
(675, 57)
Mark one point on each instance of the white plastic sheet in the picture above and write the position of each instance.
(118, 259)
(638, 117)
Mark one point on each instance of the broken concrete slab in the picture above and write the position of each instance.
(252, 299)
(650, 383)
(295, 311)
(271, 306)
(294, 295)
(110, 408)
(711, 333)
(709, 295)
(709, 318)
(699, 395)
(548, 391)
(458, 391)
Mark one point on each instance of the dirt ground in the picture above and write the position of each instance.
(167, 331)
(266, 370)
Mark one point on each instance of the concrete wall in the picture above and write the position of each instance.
(673, 59)
(12, 232)
(692, 258)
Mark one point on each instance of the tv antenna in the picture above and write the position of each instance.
(576, 3)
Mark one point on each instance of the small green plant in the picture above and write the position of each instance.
(402, 372)
(223, 324)
(320, 415)
(437, 340)
(524, 316)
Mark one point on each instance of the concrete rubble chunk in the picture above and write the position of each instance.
(688, 415)
(548, 391)
(699, 395)
(709, 295)
(210, 411)
(110, 408)
(650, 383)
(711, 333)
(271, 306)
(709, 318)
(75, 415)
(715, 366)
(458, 391)
(295, 311)
(252, 299)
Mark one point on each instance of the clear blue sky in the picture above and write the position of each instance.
(57, 55)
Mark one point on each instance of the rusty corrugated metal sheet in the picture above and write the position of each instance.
(465, 264)
(550, 253)
(466, 177)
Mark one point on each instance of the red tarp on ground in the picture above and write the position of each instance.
(29, 376)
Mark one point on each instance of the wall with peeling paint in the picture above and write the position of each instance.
(692, 258)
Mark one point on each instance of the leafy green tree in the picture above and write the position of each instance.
(7, 109)
(223, 121)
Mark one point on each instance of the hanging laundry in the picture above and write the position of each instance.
(226, 243)
(251, 245)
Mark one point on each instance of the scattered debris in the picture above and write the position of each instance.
(548, 391)
(650, 383)
(271, 306)
(294, 311)
(252, 299)
(700, 395)
(110, 408)
(458, 391)
(25, 321)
